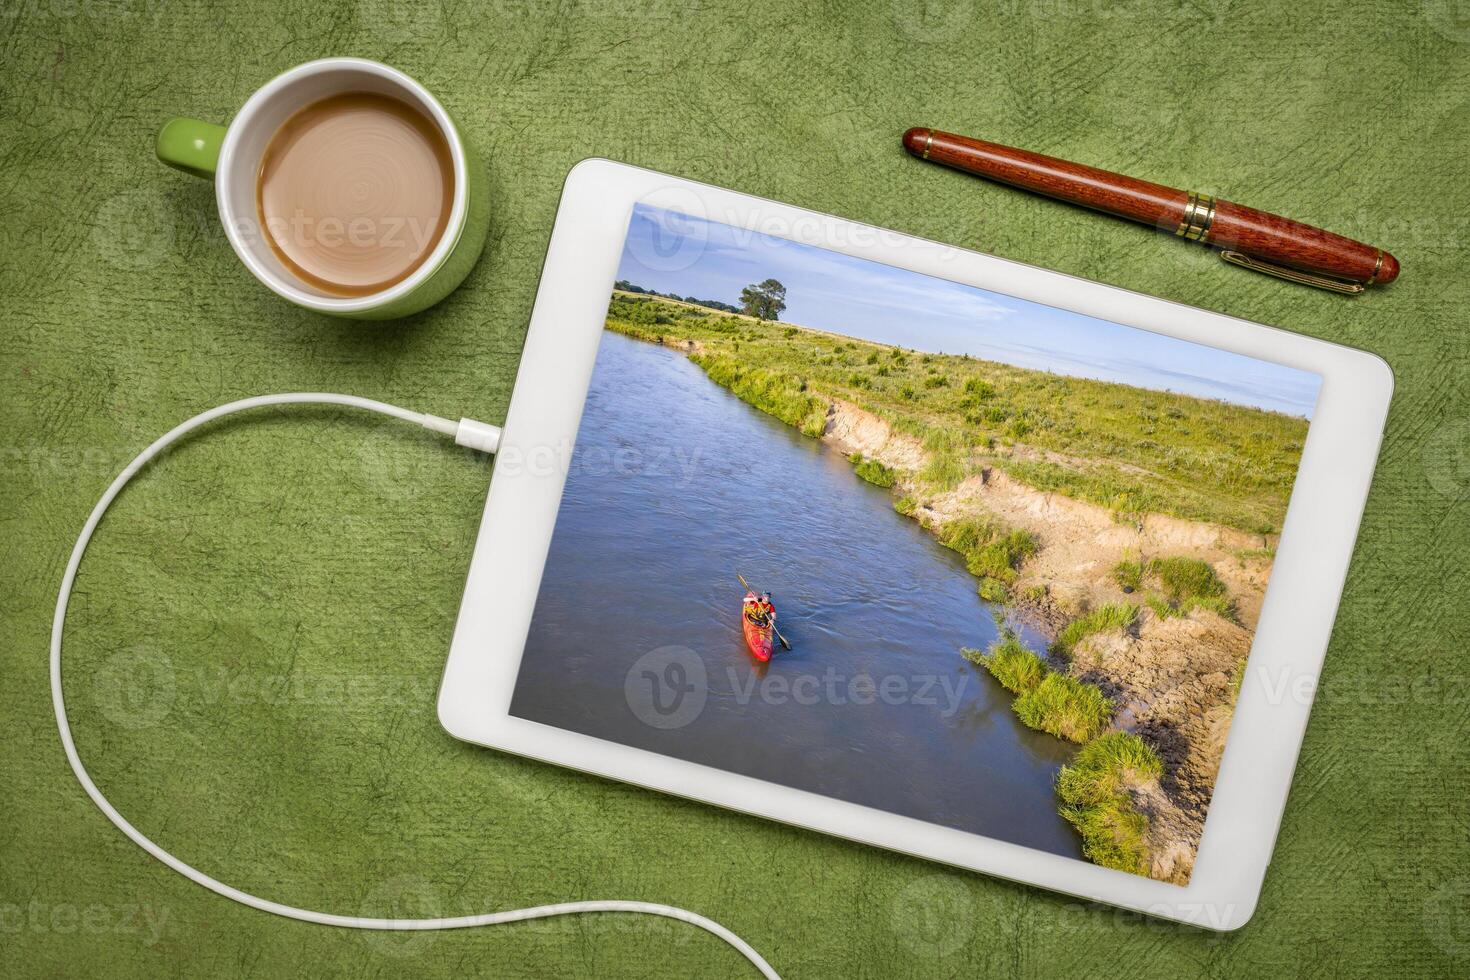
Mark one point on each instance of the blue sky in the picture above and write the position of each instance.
(674, 253)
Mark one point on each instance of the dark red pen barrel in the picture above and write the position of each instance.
(1230, 226)
(1298, 245)
(1075, 183)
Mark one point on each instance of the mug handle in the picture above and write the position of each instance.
(190, 145)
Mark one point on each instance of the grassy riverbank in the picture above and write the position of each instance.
(1132, 450)
(1097, 790)
(1146, 638)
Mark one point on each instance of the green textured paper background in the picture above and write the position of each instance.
(257, 637)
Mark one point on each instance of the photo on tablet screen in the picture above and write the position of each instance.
(914, 545)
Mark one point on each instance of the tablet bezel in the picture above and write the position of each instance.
(1291, 639)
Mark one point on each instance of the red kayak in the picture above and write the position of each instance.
(761, 639)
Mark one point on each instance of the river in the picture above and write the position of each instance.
(675, 486)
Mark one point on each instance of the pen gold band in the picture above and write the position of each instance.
(1199, 213)
(1377, 268)
(928, 142)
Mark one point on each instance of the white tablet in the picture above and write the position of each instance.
(919, 547)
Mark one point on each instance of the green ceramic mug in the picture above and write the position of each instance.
(231, 157)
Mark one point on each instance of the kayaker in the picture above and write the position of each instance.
(752, 605)
(768, 610)
(758, 609)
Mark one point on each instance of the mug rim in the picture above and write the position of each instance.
(287, 289)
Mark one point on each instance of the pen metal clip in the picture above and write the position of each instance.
(1292, 275)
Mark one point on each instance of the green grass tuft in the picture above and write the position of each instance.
(1186, 578)
(943, 472)
(1161, 607)
(937, 439)
(1237, 679)
(992, 550)
(1184, 584)
(1222, 606)
(1128, 575)
(993, 590)
(1095, 799)
(1001, 557)
(873, 471)
(1017, 668)
(979, 390)
(1113, 616)
(1065, 707)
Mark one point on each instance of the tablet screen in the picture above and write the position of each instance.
(912, 544)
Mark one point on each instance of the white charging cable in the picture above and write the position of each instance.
(466, 432)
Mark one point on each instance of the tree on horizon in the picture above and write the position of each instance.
(763, 300)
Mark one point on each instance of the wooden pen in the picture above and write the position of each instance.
(1246, 237)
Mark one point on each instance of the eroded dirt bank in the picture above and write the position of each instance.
(1169, 675)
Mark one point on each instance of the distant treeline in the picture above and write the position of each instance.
(712, 304)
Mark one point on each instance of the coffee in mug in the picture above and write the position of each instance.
(344, 186)
(355, 191)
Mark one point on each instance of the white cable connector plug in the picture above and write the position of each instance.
(479, 436)
(466, 432)
(470, 433)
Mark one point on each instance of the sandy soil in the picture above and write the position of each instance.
(1171, 678)
(1172, 683)
(1081, 542)
(852, 430)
